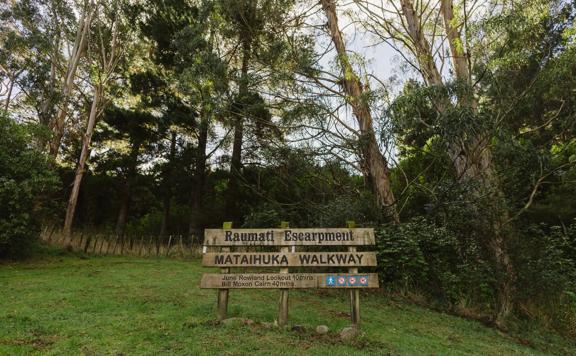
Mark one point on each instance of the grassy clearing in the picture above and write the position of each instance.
(115, 305)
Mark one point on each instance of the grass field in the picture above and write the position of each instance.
(128, 306)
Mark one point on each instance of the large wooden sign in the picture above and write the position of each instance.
(222, 240)
(289, 280)
(296, 259)
(289, 237)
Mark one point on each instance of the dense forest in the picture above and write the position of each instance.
(449, 126)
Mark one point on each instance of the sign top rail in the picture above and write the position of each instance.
(290, 237)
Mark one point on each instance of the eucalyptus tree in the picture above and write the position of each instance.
(448, 44)
(374, 164)
(428, 35)
(33, 37)
(110, 41)
(83, 26)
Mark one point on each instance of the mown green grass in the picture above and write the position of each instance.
(115, 305)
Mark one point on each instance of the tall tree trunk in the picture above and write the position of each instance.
(459, 56)
(374, 162)
(126, 194)
(78, 50)
(473, 161)
(168, 181)
(471, 156)
(423, 50)
(236, 160)
(87, 139)
(195, 228)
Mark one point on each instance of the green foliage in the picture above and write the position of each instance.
(421, 256)
(547, 275)
(304, 192)
(25, 179)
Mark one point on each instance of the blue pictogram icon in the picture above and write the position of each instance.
(330, 281)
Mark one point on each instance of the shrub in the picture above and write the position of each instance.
(420, 256)
(546, 264)
(26, 176)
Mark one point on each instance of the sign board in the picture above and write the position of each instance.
(289, 237)
(289, 280)
(221, 241)
(296, 259)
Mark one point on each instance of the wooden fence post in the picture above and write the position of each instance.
(108, 244)
(169, 243)
(101, 244)
(131, 244)
(81, 239)
(115, 243)
(140, 245)
(53, 228)
(223, 293)
(283, 303)
(87, 243)
(69, 240)
(122, 244)
(149, 247)
(95, 243)
(354, 293)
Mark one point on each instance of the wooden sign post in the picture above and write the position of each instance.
(223, 293)
(354, 293)
(283, 303)
(287, 239)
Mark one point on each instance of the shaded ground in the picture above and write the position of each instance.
(116, 305)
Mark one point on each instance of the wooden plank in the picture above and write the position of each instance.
(223, 293)
(289, 237)
(283, 302)
(354, 296)
(287, 259)
(354, 293)
(289, 281)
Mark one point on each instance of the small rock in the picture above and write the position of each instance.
(298, 328)
(322, 329)
(349, 333)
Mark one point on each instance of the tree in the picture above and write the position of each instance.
(27, 176)
(374, 163)
(78, 51)
(106, 51)
(256, 37)
(429, 35)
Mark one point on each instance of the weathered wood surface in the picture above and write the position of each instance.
(289, 281)
(354, 295)
(289, 237)
(283, 302)
(223, 294)
(298, 259)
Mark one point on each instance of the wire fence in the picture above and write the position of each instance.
(177, 246)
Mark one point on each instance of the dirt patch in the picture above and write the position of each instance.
(37, 342)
